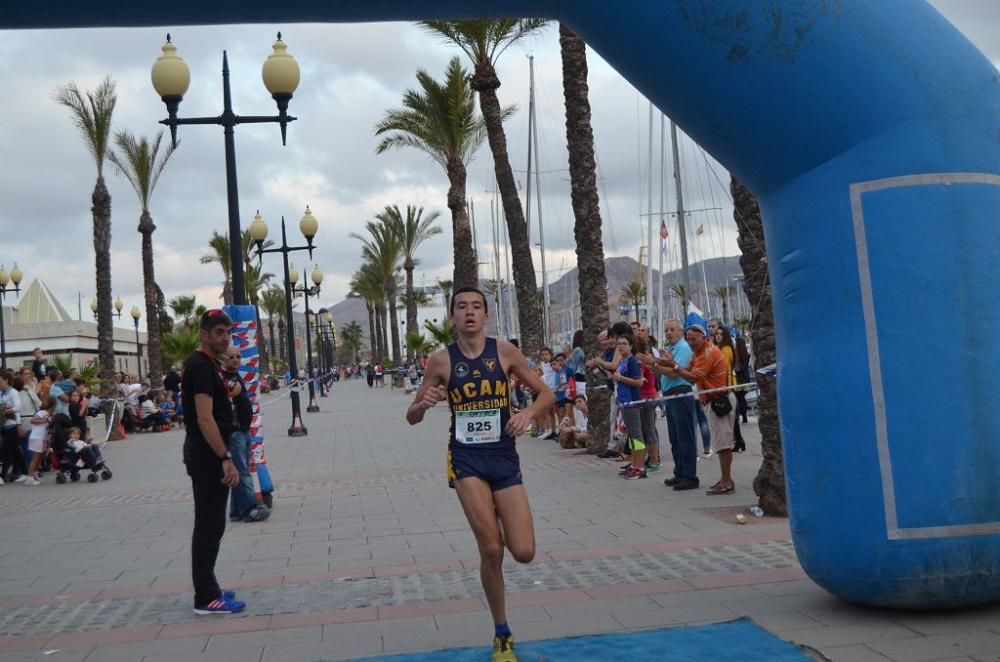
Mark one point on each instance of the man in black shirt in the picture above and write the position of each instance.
(209, 421)
(243, 505)
(172, 382)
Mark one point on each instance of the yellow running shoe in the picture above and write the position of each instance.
(503, 649)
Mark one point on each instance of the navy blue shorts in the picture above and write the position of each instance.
(499, 471)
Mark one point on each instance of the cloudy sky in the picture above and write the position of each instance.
(350, 75)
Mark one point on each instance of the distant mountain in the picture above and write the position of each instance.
(563, 292)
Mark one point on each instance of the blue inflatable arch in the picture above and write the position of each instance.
(869, 131)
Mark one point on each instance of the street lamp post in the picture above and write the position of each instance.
(171, 78)
(315, 321)
(307, 291)
(258, 232)
(136, 314)
(8, 283)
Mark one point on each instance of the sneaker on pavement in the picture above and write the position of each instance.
(228, 594)
(258, 514)
(654, 468)
(685, 485)
(503, 649)
(33, 482)
(22, 479)
(635, 474)
(221, 606)
(1, 481)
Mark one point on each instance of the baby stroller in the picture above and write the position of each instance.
(68, 462)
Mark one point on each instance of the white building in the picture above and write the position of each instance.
(39, 320)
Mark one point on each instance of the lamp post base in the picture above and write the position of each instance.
(297, 432)
(312, 408)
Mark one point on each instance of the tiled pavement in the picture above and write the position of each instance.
(368, 552)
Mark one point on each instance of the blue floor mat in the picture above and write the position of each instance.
(740, 640)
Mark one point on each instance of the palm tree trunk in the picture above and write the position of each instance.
(372, 338)
(282, 344)
(393, 325)
(261, 345)
(101, 211)
(587, 226)
(485, 82)
(270, 333)
(146, 228)
(411, 305)
(377, 345)
(466, 271)
(384, 320)
(769, 485)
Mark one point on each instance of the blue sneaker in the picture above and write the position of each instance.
(228, 595)
(221, 606)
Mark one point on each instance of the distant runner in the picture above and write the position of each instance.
(483, 465)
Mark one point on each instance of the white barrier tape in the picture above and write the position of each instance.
(288, 391)
(690, 394)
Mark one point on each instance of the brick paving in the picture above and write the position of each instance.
(368, 553)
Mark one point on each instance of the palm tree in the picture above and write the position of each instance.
(366, 284)
(443, 333)
(447, 287)
(383, 251)
(742, 322)
(350, 337)
(634, 292)
(256, 279)
(219, 245)
(440, 120)
(141, 163)
(587, 223)
(769, 484)
(483, 41)
(178, 345)
(92, 114)
(272, 300)
(723, 292)
(410, 232)
(183, 308)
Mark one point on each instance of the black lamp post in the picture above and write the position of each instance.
(306, 291)
(136, 314)
(171, 78)
(8, 283)
(258, 232)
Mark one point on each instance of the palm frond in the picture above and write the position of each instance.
(92, 114)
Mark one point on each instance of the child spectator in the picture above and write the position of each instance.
(38, 436)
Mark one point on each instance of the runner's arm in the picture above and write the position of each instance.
(432, 389)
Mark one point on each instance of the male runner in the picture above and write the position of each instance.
(483, 465)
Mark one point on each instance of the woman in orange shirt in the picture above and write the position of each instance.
(724, 341)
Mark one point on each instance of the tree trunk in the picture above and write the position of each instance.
(769, 485)
(146, 229)
(586, 227)
(378, 345)
(372, 338)
(101, 212)
(529, 317)
(411, 305)
(393, 324)
(227, 292)
(270, 333)
(466, 271)
(261, 345)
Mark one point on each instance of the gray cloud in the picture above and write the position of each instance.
(350, 75)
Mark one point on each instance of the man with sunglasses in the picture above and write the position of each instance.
(209, 422)
(243, 506)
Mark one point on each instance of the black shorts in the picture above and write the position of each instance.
(500, 471)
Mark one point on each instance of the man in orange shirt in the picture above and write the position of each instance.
(708, 370)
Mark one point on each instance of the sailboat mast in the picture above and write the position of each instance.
(496, 269)
(538, 198)
(649, 221)
(680, 220)
(663, 202)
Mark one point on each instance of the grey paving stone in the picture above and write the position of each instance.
(940, 647)
(179, 648)
(842, 635)
(272, 638)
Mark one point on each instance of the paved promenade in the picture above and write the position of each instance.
(367, 552)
